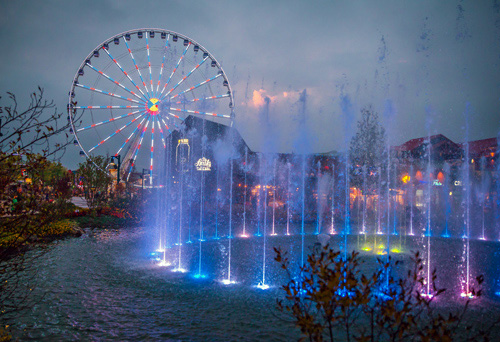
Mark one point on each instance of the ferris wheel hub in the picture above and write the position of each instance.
(115, 108)
(152, 106)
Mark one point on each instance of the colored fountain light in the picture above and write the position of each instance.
(262, 286)
(299, 189)
(179, 270)
(467, 295)
(164, 263)
(228, 282)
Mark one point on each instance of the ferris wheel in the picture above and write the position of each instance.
(136, 88)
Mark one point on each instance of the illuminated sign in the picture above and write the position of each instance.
(203, 164)
(458, 183)
(437, 182)
(182, 155)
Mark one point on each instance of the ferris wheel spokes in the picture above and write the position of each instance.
(124, 72)
(112, 80)
(176, 117)
(161, 132)
(137, 68)
(149, 63)
(197, 85)
(202, 113)
(184, 78)
(106, 121)
(115, 132)
(106, 93)
(152, 149)
(106, 107)
(130, 136)
(175, 69)
(202, 99)
(166, 126)
(138, 147)
(162, 65)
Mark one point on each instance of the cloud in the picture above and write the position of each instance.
(287, 47)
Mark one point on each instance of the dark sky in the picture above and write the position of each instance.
(420, 64)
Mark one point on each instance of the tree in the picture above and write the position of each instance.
(29, 138)
(332, 299)
(95, 181)
(368, 148)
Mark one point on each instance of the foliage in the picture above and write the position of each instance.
(30, 138)
(95, 181)
(58, 228)
(130, 207)
(102, 221)
(32, 130)
(58, 177)
(368, 149)
(5, 336)
(331, 299)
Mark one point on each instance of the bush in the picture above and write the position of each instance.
(58, 228)
(103, 221)
(130, 208)
(332, 299)
(78, 213)
(5, 336)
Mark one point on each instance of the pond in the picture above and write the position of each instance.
(104, 286)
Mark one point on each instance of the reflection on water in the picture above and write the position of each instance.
(103, 286)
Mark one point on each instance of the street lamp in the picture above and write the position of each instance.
(144, 171)
(116, 166)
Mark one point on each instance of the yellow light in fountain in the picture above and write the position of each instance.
(395, 250)
(366, 248)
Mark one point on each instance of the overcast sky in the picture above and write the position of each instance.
(418, 63)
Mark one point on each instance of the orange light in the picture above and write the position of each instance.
(405, 179)
(418, 175)
(440, 177)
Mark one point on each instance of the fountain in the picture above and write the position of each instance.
(318, 198)
(407, 199)
(274, 197)
(244, 194)
(332, 226)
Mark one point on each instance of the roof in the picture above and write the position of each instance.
(480, 146)
(412, 144)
